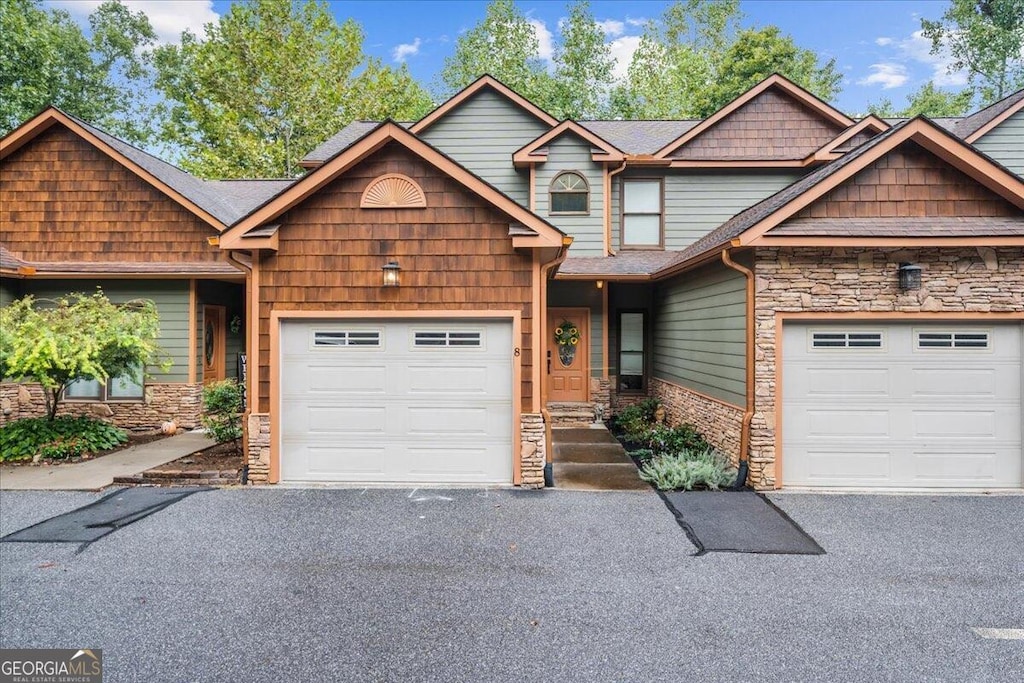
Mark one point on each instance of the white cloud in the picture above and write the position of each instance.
(887, 75)
(612, 27)
(168, 17)
(639, 22)
(622, 50)
(545, 41)
(883, 41)
(919, 49)
(404, 50)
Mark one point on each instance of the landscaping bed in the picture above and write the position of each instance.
(218, 465)
(670, 458)
(65, 440)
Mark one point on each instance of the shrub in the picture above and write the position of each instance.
(635, 420)
(666, 440)
(688, 470)
(57, 439)
(222, 410)
(642, 454)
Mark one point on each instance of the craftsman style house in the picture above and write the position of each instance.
(838, 302)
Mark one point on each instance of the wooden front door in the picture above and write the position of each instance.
(568, 354)
(213, 343)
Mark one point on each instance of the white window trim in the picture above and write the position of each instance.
(989, 346)
(846, 347)
(416, 331)
(314, 346)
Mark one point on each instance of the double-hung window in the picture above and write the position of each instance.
(642, 214)
(631, 351)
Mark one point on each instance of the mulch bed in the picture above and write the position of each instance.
(222, 456)
(217, 465)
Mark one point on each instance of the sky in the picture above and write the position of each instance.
(877, 44)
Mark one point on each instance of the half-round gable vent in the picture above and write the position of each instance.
(393, 191)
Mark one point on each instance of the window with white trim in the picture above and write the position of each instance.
(846, 340)
(332, 338)
(952, 340)
(447, 338)
(641, 213)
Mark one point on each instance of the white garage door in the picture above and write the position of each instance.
(412, 401)
(902, 405)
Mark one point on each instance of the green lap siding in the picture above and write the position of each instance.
(481, 134)
(170, 297)
(1005, 143)
(699, 332)
(570, 153)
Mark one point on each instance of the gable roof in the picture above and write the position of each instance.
(973, 127)
(639, 137)
(339, 141)
(775, 81)
(531, 231)
(535, 152)
(829, 150)
(217, 202)
(745, 228)
(484, 82)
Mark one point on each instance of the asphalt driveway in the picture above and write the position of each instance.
(389, 585)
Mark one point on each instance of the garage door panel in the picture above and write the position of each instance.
(854, 381)
(398, 412)
(899, 415)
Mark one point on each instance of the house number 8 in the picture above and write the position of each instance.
(515, 352)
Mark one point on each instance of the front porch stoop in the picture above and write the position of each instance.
(591, 459)
(568, 414)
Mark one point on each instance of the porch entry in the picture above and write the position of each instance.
(214, 342)
(568, 354)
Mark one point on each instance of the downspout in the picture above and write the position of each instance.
(246, 265)
(541, 342)
(608, 208)
(748, 414)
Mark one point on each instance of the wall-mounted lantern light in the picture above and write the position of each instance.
(910, 277)
(391, 270)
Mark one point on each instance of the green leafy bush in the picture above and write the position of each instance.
(57, 439)
(635, 420)
(663, 439)
(688, 470)
(222, 410)
(642, 454)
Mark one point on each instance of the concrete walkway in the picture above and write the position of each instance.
(592, 459)
(95, 474)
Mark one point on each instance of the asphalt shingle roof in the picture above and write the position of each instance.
(931, 226)
(968, 125)
(639, 137)
(623, 263)
(343, 138)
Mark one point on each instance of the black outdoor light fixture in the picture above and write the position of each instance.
(391, 270)
(910, 277)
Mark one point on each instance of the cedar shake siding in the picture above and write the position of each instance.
(772, 126)
(909, 182)
(61, 199)
(455, 254)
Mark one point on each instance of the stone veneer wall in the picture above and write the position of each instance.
(258, 441)
(179, 402)
(618, 401)
(719, 422)
(532, 451)
(856, 280)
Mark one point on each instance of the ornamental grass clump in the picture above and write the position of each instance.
(688, 470)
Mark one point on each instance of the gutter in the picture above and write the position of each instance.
(748, 413)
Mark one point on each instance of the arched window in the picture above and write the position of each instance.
(569, 194)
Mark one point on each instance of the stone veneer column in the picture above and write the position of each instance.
(258, 432)
(533, 450)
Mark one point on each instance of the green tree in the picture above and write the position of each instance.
(696, 58)
(583, 67)
(76, 337)
(756, 54)
(504, 44)
(46, 58)
(926, 101)
(270, 81)
(985, 38)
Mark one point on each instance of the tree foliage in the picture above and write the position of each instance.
(583, 68)
(76, 337)
(46, 58)
(270, 81)
(696, 59)
(927, 100)
(985, 38)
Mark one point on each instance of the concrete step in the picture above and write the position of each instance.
(590, 453)
(585, 435)
(598, 477)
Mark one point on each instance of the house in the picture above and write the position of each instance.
(837, 302)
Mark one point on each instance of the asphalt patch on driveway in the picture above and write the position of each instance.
(738, 522)
(108, 514)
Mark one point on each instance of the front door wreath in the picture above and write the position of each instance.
(567, 336)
